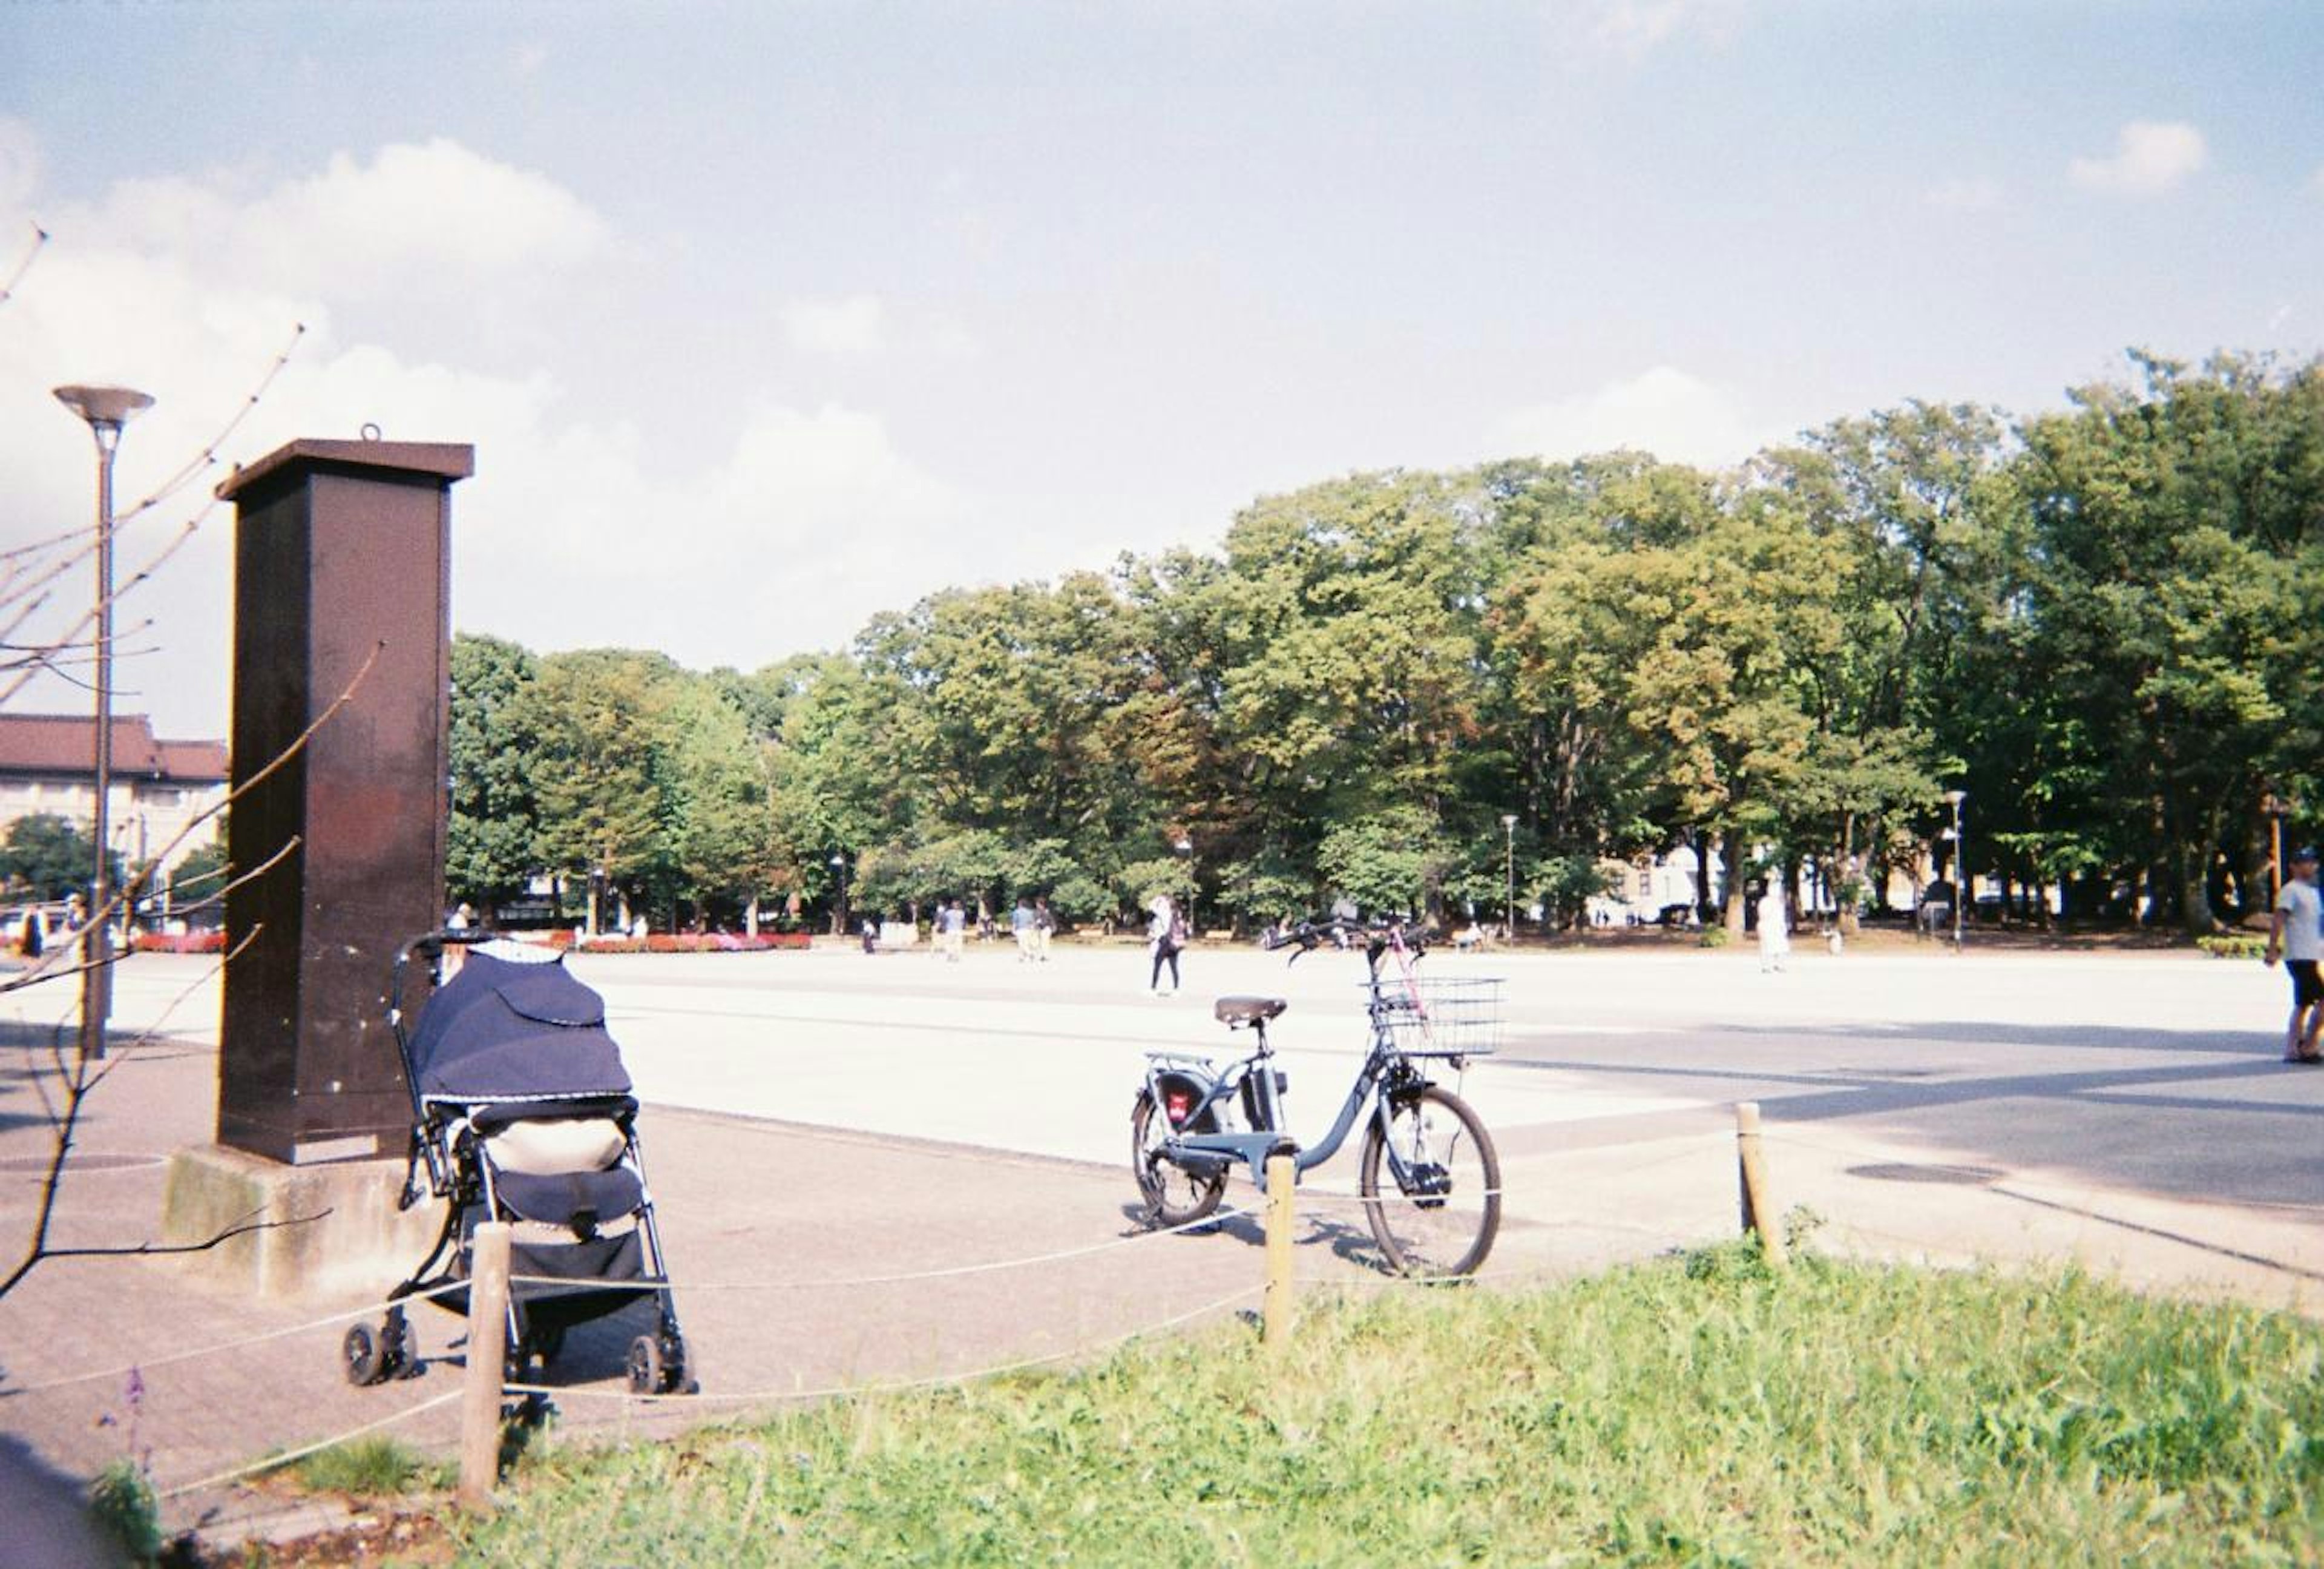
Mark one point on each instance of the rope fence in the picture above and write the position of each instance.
(343, 1316)
(489, 1390)
(292, 1457)
(892, 1386)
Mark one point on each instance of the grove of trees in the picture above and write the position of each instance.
(2102, 622)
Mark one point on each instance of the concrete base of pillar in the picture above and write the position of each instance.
(337, 1230)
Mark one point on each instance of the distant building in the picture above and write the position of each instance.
(48, 766)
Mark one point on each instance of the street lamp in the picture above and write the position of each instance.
(839, 910)
(1510, 872)
(106, 410)
(1961, 865)
(1186, 846)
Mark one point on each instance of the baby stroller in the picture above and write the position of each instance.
(521, 1113)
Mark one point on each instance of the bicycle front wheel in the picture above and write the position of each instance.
(1431, 1184)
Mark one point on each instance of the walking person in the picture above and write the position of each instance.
(1044, 923)
(2296, 936)
(1774, 929)
(1165, 934)
(1020, 927)
(954, 924)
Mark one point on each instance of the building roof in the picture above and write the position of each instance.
(65, 743)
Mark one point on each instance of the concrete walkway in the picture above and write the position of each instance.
(818, 1119)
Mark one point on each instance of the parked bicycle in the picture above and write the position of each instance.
(1427, 1174)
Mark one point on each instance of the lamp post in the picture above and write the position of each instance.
(2277, 809)
(1509, 876)
(106, 410)
(839, 909)
(1961, 865)
(1186, 846)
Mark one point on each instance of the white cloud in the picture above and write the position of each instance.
(1664, 410)
(794, 525)
(1636, 27)
(20, 163)
(843, 328)
(1964, 196)
(2149, 157)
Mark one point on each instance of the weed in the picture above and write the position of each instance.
(121, 1501)
(373, 1467)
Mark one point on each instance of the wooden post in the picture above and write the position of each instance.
(1758, 1202)
(1282, 1177)
(480, 1402)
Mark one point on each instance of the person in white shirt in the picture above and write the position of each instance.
(2296, 936)
(1774, 929)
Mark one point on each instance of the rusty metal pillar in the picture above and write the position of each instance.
(342, 557)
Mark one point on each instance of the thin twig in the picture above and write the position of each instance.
(157, 1249)
(79, 1080)
(207, 456)
(40, 238)
(134, 890)
(136, 580)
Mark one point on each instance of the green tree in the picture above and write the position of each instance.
(2174, 528)
(48, 857)
(600, 724)
(493, 842)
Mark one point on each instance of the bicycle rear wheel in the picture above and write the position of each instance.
(1431, 1184)
(1176, 1195)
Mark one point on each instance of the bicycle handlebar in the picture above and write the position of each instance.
(1379, 935)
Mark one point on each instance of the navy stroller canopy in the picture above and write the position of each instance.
(505, 1031)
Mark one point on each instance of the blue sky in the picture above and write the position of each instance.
(766, 317)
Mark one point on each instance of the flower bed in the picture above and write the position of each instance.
(188, 943)
(685, 943)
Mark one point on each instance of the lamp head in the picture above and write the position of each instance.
(107, 409)
(1955, 798)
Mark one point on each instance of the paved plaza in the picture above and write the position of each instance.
(837, 1142)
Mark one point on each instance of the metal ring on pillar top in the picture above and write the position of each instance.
(369, 431)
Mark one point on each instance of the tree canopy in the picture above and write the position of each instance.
(2101, 623)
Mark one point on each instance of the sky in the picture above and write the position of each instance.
(766, 317)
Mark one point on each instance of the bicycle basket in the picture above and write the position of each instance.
(1439, 1015)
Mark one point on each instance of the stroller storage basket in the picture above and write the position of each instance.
(1438, 1015)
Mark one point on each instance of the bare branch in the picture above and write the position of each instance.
(8, 290)
(53, 542)
(80, 1077)
(142, 1250)
(32, 588)
(130, 893)
(212, 900)
(137, 580)
(207, 456)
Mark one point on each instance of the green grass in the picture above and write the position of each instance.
(375, 1467)
(1695, 1412)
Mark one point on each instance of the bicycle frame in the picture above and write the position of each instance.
(1383, 1069)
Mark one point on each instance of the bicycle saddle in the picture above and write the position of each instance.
(1247, 1009)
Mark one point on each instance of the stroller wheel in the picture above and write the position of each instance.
(647, 1374)
(360, 1357)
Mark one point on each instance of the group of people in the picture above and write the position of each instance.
(1030, 924)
